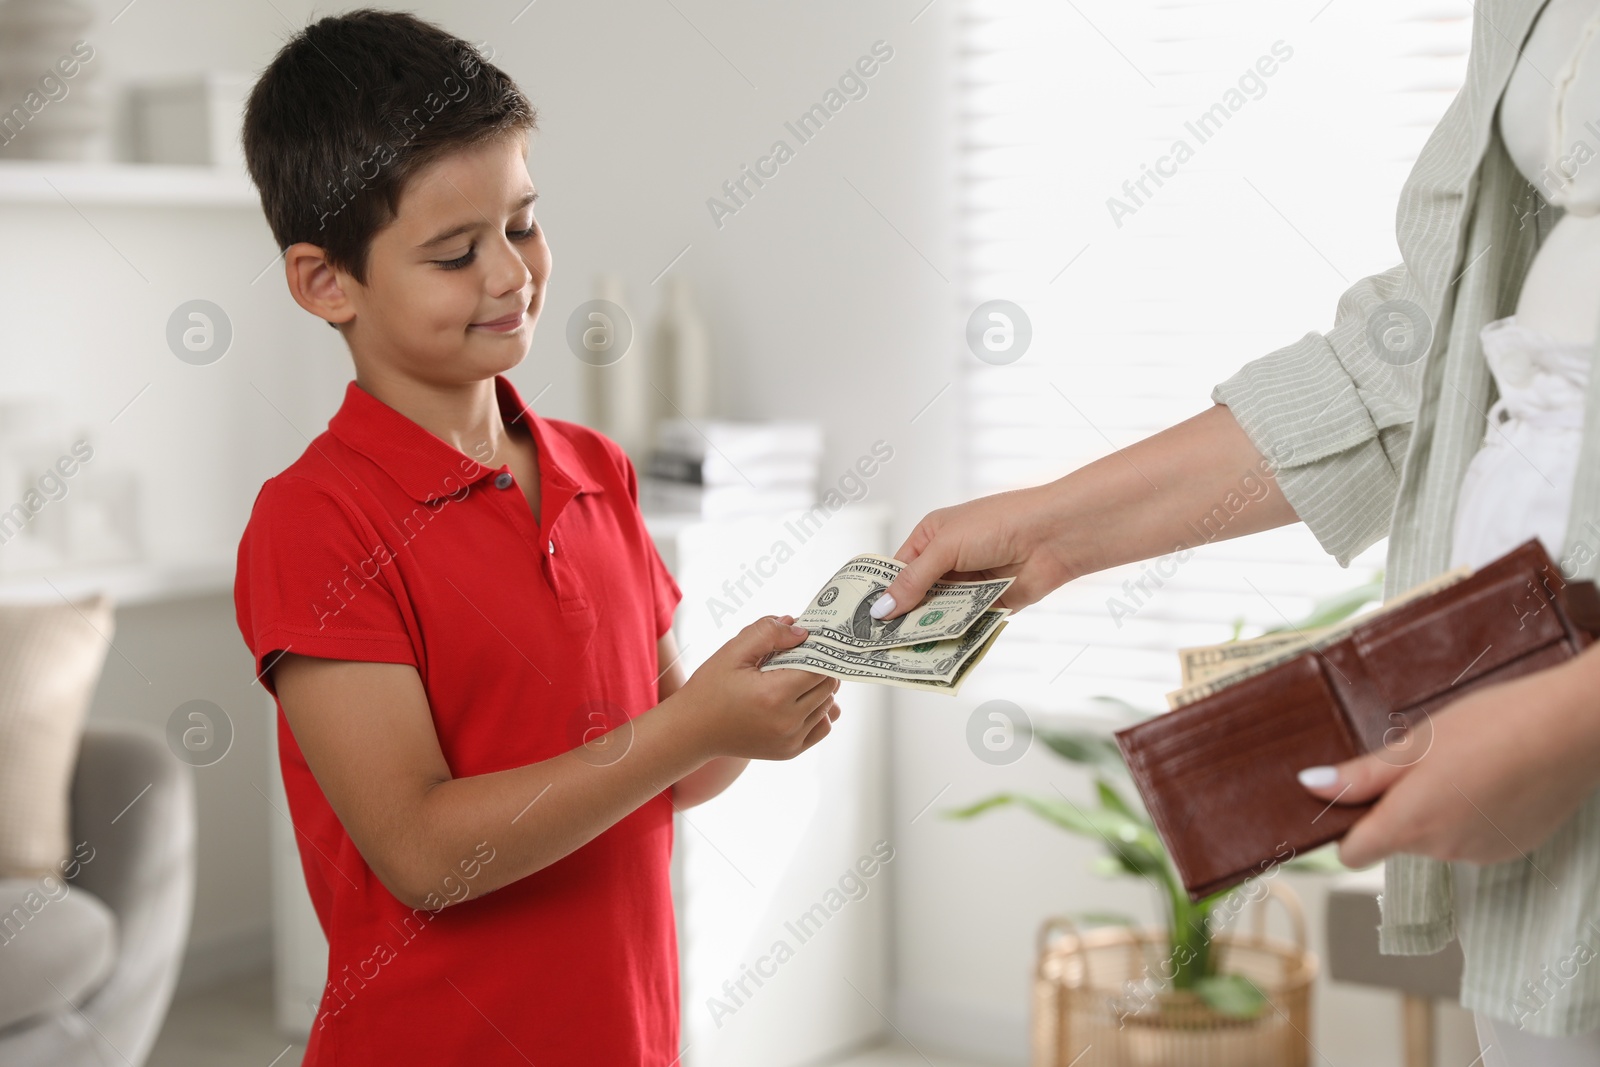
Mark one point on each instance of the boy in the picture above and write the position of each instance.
(482, 722)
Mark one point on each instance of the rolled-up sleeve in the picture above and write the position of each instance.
(1333, 417)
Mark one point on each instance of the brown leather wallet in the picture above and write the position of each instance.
(1218, 776)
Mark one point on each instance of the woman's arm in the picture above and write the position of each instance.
(1176, 489)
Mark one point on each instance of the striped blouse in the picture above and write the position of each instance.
(1372, 440)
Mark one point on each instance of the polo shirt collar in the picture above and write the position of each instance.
(427, 468)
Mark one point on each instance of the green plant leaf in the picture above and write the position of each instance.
(1107, 918)
(1138, 861)
(1084, 747)
(1112, 826)
(1233, 995)
(1110, 865)
(1131, 841)
(1112, 800)
(999, 800)
(1132, 848)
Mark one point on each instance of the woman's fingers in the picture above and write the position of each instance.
(1354, 781)
(916, 578)
(913, 546)
(1359, 781)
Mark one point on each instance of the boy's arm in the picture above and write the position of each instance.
(712, 777)
(367, 734)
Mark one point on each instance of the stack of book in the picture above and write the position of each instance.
(719, 469)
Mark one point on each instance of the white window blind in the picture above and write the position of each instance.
(1285, 196)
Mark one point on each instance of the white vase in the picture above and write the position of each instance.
(682, 355)
(620, 392)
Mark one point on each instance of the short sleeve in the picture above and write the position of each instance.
(664, 588)
(314, 578)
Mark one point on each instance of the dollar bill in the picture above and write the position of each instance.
(1205, 662)
(931, 665)
(1302, 641)
(841, 613)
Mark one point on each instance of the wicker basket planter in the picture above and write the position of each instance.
(1099, 1000)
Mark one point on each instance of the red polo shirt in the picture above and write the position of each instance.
(383, 543)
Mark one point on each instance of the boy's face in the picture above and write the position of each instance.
(456, 280)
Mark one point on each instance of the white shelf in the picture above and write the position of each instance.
(133, 184)
(128, 583)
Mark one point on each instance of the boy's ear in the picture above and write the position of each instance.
(315, 284)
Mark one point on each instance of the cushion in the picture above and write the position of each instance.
(51, 934)
(50, 660)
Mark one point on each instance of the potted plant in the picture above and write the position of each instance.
(1189, 993)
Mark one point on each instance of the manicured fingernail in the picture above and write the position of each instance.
(1318, 777)
(882, 606)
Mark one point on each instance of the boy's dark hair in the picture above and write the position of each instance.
(350, 108)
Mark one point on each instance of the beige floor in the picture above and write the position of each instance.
(228, 1025)
(899, 1055)
(231, 1026)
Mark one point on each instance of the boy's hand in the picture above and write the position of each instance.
(741, 711)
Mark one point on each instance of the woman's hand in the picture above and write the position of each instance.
(992, 537)
(1486, 779)
(1153, 497)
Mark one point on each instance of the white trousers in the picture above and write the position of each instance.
(1519, 485)
(1504, 1045)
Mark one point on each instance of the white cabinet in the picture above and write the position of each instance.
(783, 935)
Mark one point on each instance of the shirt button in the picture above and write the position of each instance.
(552, 548)
(503, 480)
